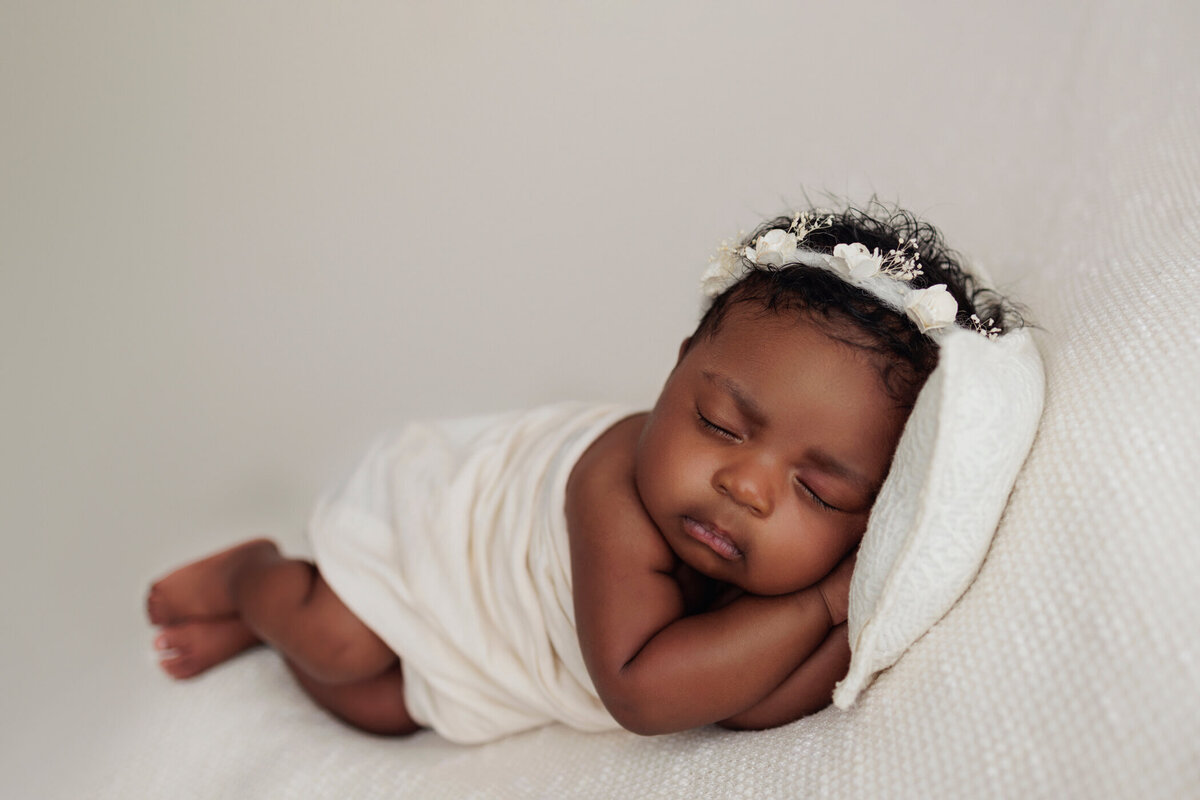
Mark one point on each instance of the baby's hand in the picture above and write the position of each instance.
(835, 589)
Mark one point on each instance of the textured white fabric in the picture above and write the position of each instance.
(1068, 669)
(449, 540)
(929, 531)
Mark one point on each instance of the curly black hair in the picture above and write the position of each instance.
(858, 318)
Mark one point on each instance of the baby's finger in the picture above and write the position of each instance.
(835, 589)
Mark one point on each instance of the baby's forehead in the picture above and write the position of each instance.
(745, 320)
(746, 323)
(775, 357)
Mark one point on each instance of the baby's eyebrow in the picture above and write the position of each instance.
(741, 397)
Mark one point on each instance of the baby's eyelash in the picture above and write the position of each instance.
(708, 424)
(821, 504)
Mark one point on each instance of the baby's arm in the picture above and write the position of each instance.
(658, 670)
(809, 687)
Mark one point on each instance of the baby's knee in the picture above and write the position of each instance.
(340, 648)
(347, 657)
(375, 705)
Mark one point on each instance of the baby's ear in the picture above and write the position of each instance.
(683, 348)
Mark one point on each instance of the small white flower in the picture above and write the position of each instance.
(724, 270)
(856, 260)
(931, 308)
(775, 247)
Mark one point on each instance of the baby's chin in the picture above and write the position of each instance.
(777, 585)
(742, 584)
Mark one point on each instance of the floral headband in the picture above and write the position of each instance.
(886, 276)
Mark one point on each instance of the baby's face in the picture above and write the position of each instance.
(765, 451)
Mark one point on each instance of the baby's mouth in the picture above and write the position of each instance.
(716, 539)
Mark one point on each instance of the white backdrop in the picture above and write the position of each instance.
(238, 239)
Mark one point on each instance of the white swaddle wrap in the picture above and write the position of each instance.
(449, 541)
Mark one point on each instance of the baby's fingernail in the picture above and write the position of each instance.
(160, 642)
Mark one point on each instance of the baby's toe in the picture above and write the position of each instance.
(188, 648)
(156, 606)
(180, 667)
(175, 656)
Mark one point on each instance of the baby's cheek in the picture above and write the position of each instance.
(650, 478)
(822, 551)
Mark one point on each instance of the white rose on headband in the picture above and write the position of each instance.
(931, 308)
(775, 247)
(856, 260)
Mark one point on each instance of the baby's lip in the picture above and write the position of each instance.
(717, 540)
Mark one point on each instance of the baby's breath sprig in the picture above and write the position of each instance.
(804, 223)
(729, 247)
(903, 262)
(987, 329)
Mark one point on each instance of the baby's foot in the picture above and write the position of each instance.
(200, 590)
(189, 648)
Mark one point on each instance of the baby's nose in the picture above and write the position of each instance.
(748, 484)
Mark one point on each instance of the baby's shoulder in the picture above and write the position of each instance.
(604, 512)
(607, 464)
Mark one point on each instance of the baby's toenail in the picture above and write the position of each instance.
(160, 643)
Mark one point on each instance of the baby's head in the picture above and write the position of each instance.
(775, 430)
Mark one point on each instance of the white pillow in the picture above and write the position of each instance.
(968, 434)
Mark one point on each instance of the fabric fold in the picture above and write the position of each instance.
(449, 541)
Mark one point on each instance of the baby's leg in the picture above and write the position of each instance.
(216, 607)
(289, 606)
(375, 705)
